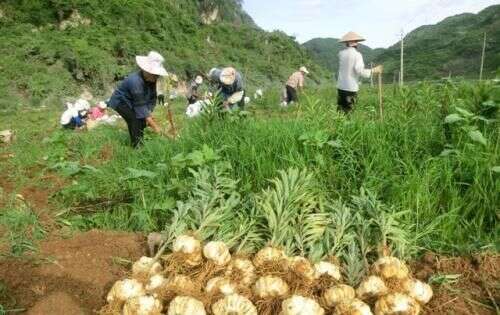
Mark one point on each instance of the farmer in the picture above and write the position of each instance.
(294, 84)
(351, 68)
(135, 98)
(229, 83)
(74, 117)
(192, 92)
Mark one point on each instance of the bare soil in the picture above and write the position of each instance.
(69, 276)
(73, 276)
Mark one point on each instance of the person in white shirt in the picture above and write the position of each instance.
(351, 69)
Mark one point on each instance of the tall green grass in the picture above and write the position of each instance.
(442, 183)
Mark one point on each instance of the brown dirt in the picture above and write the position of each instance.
(477, 290)
(69, 276)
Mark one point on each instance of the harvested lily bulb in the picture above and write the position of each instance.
(390, 267)
(155, 283)
(268, 255)
(124, 290)
(302, 267)
(371, 287)
(217, 252)
(146, 267)
(298, 305)
(420, 291)
(270, 287)
(220, 285)
(180, 283)
(185, 305)
(327, 269)
(143, 305)
(243, 270)
(189, 246)
(355, 307)
(234, 304)
(397, 304)
(339, 294)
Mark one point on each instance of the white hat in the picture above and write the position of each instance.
(102, 105)
(81, 105)
(152, 63)
(228, 76)
(198, 79)
(351, 37)
(304, 69)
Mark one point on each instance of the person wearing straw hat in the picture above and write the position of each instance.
(230, 86)
(351, 69)
(294, 84)
(136, 97)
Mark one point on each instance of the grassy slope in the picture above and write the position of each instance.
(40, 63)
(432, 51)
(325, 51)
(439, 181)
(453, 45)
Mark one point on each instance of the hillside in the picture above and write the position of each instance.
(50, 48)
(325, 51)
(432, 51)
(451, 46)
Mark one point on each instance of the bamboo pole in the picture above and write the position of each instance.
(380, 97)
(482, 58)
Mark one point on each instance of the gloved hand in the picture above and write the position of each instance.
(378, 69)
(161, 99)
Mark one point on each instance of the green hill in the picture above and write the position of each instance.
(325, 51)
(51, 48)
(451, 46)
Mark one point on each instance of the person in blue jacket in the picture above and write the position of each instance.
(136, 97)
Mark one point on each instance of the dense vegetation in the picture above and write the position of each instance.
(452, 46)
(50, 48)
(426, 177)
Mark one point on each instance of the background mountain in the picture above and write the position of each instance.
(325, 51)
(452, 46)
(51, 48)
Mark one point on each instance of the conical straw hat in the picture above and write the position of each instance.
(351, 37)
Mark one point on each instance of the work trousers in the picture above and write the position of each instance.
(291, 94)
(135, 125)
(346, 100)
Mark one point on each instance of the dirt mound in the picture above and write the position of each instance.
(462, 285)
(57, 303)
(82, 269)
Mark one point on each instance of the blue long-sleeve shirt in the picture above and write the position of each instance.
(228, 90)
(137, 94)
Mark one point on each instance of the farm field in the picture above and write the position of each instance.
(424, 182)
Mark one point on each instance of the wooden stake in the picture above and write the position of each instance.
(380, 97)
(401, 73)
(482, 58)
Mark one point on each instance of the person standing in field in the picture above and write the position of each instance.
(351, 69)
(136, 97)
(230, 85)
(294, 85)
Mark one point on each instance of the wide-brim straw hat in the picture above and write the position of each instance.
(228, 76)
(152, 63)
(304, 69)
(351, 37)
(198, 79)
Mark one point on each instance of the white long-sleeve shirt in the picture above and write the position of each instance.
(351, 68)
